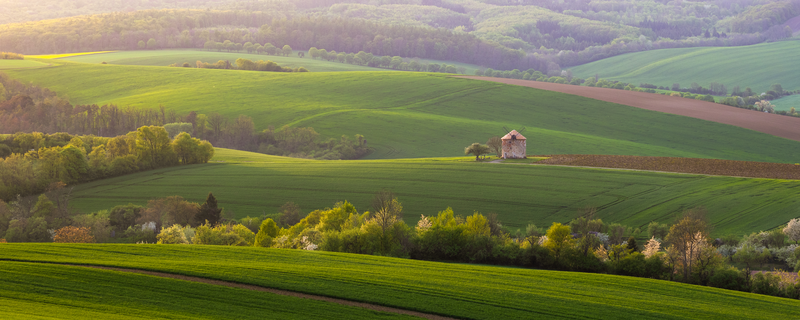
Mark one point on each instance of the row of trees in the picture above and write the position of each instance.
(682, 251)
(32, 162)
(11, 56)
(368, 59)
(242, 64)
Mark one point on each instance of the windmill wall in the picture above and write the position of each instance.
(514, 149)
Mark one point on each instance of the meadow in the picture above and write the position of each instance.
(408, 114)
(787, 103)
(20, 64)
(46, 291)
(462, 291)
(757, 66)
(167, 57)
(249, 184)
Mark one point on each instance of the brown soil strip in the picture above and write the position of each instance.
(717, 167)
(349, 303)
(777, 125)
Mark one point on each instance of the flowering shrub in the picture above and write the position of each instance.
(73, 235)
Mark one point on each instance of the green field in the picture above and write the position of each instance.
(166, 57)
(461, 291)
(253, 184)
(47, 291)
(408, 114)
(20, 64)
(757, 66)
(787, 103)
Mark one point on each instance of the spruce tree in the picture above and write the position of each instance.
(209, 211)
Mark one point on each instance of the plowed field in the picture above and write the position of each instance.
(776, 125)
(682, 165)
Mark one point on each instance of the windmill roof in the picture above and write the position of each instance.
(513, 132)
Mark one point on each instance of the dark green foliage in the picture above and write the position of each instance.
(209, 212)
(632, 247)
(124, 216)
(729, 278)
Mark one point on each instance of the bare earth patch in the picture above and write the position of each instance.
(369, 306)
(776, 125)
(718, 167)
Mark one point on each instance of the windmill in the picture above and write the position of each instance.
(514, 144)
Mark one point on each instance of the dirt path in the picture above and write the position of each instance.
(369, 306)
(777, 125)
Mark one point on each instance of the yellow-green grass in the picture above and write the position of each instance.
(409, 114)
(787, 103)
(168, 57)
(457, 290)
(757, 66)
(248, 184)
(20, 64)
(66, 55)
(51, 291)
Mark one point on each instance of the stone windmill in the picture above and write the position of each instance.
(514, 146)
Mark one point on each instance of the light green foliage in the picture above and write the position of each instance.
(477, 226)
(110, 294)
(702, 65)
(153, 147)
(559, 240)
(453, 110)
(334, 219)
(266, 234)
(172, 235)
(455, 290)
(175, 128)
(192, 150)
(223, 235)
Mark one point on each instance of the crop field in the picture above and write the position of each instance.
(766, 64)
(462, 291)
(167, 57)
(406, 114)
(778, 125)
(787, 103)
(164, 58)
(684, 165)
(520, 194)
(20, 64)
(47, 291)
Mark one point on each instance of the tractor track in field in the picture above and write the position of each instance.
(773, 124)
(369, 306)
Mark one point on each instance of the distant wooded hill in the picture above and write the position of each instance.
(501, 34)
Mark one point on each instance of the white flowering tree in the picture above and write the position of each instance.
(792, 230)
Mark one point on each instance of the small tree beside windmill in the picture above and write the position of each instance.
(514, 145)
(477, 149)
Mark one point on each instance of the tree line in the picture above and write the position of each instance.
(30, 163)
(11, 56)
(682, 251)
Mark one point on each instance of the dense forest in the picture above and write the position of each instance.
(499, 34)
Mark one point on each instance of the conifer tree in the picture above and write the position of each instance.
(209, 211)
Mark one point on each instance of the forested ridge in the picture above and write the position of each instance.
(499, 34)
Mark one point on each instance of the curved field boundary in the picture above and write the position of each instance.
(715, 167)
(349, 303)
(776, 125)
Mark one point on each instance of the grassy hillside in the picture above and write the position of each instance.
(405, 114)
(18, 64)
(253, 184)
(757, 66)
(167, 57)
(462, 291)
(787, 103)
(47, 291)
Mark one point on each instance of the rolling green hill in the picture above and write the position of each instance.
(405, 114)
(253, 184)
(756, 66)
(48, 291)
(461, 291)
(167, 57)
(20, 64)
(787, 103)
